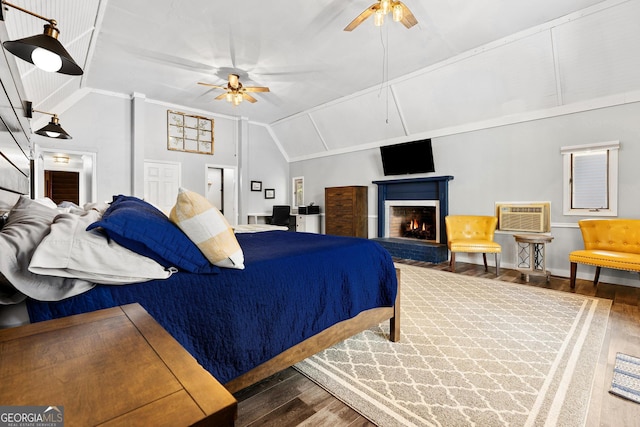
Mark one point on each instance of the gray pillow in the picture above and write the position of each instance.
(8, 294)
(7, 200)
(25, 228)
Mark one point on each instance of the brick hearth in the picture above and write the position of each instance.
(414, 249)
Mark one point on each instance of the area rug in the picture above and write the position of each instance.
(473, 352)
(626, 377)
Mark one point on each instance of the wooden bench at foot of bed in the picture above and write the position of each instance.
(325, 339)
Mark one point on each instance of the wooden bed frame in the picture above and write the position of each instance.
(323, 340)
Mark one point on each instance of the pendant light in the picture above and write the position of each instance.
(43, 50)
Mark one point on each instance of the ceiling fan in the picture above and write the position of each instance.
(236, 92)
(399, 11)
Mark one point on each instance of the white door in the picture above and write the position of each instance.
(161, 183)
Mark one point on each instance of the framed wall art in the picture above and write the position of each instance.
(269, 193)
(256, 185)
(186, 132)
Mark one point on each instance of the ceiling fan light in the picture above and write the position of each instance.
(237, 98)
(378, 18)
(398, 13)
(234, 80)
(229, 96)
(385, 6)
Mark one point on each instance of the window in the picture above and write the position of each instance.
(297, 184)
(590, 175)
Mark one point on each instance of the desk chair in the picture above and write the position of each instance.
(281, 215)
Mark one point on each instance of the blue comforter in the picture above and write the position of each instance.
(294, 285)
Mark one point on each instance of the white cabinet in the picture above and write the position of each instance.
(308, 223)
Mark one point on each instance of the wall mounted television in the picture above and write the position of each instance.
(407, 158)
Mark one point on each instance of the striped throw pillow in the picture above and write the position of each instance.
(205, 225)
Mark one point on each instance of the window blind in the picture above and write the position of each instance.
(590, 180)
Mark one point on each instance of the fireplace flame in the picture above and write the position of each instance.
(415, 225)
(413, 222)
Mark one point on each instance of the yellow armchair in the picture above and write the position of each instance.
(609, 243)
(472, 233)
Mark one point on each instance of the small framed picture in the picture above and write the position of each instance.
(256, 185)
(269, 193)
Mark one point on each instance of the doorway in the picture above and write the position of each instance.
(62, 186)
(215, 187)
(221, 190)
(80, 164)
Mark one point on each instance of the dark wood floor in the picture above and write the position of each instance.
(290, 399)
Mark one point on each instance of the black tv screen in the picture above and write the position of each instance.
(407, 158)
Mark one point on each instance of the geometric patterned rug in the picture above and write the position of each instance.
(473, 352)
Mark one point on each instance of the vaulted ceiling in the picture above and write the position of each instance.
(329, 88)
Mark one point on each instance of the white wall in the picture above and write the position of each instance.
(193, 164)
(518, 162)
(99, 124)
(357, 168)
(265, 163)
(589, 56)
(104, 123)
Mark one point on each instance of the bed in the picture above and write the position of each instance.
(287, 297)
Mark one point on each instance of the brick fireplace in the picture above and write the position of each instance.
(411, 217)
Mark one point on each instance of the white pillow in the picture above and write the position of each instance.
(205, 225)
(71, 251)
(45, 201)
(28, 224)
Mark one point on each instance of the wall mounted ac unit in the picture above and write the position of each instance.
(532, 217)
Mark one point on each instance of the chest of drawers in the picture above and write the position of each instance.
(346, 211)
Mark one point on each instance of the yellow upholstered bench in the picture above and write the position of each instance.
(472, 233)
(610, 243)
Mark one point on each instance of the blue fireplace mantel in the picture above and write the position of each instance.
(429, 188)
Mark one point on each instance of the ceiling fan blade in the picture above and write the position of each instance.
(256, 89)
(249, 98)
(408, 20)
(223, 96)
(211, 85)
(360, 18)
